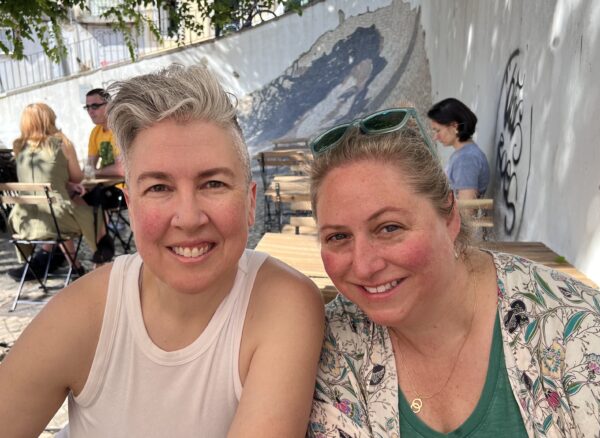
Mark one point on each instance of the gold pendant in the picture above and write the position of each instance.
(416, 405)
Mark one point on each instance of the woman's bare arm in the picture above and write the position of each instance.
(52, 356)
(283, 334)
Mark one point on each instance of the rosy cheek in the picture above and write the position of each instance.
(334, 264)
(417, 254)
(149, 223)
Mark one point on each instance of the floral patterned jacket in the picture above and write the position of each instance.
(551, 338)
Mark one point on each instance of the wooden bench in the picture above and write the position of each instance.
(283, 162)
(479, 212)
(291, 143)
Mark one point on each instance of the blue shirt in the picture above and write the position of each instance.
(468, 169)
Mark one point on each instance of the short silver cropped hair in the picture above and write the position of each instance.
(175, 92)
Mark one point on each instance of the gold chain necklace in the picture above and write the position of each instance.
(416, 405)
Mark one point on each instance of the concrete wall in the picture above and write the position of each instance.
(246, 61)
(529, 69)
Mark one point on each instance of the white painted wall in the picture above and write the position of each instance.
(469, 43)
(245, 61)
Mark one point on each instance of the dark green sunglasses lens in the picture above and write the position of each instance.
(384, 120)
(328, 139)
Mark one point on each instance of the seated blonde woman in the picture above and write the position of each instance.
(43, 154)
(194, 335)
(430, 336)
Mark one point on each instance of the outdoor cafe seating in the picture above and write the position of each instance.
(37, 195)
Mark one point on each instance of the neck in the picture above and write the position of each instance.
(444, 318)
(175, 319)
(459, 144)
(180, 305)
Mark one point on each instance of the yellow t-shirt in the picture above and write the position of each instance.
(102, 144)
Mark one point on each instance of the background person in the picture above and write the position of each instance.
(194, 335)
(454, 125)
(45, 155)
(102, 148)
(431, 336)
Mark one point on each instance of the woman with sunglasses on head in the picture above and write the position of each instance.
(430, 336)
(194, 335)
(454, 125)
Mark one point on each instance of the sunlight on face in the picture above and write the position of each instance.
(190, 204)
(382, 244)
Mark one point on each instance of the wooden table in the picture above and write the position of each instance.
(540, 253)
(289, 188)
(303, 253)
(105, 181)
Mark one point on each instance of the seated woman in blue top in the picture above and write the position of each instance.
(454, 125)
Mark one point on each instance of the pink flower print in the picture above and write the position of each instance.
(553, 399)
(344, 406)
(593, 365)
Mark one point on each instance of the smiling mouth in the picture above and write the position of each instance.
(382, 287)
(193, 251)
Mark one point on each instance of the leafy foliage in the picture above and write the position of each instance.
(34, 19)
(41, 19)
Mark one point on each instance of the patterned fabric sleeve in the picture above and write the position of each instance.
(551, 334)
(356, 392)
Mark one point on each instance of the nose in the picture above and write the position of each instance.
(366, 261)
(188, 214)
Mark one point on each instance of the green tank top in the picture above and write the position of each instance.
(497, 410)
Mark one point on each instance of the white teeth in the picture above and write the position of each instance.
(382, 288)
(191, 252)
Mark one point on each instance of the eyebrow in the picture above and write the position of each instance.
(384, 210)
(208, 173)
(372, 217)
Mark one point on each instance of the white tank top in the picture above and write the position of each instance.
(135, 389)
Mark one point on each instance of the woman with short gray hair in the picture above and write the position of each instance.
(194, 335)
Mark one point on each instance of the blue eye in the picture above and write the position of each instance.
(156, 188)
(390, 228)
(215, 184)
(336, 237)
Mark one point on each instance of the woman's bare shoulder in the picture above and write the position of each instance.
(55, 352)
(280, 282)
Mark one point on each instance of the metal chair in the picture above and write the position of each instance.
(29, 194)
(279, 162)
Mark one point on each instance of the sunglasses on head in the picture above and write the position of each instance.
(93, 106)
(381, 122)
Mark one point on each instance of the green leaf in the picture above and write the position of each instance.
(596, 302)
(547, 423)
(531, 330)
(574, 387)
(549, 382)
(573, 323)
(536, 387)
(544, 285)
(535, 298)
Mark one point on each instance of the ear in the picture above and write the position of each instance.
(125, 191)
(251, 203)
(453, 221)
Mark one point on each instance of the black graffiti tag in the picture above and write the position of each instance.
(510, 141)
